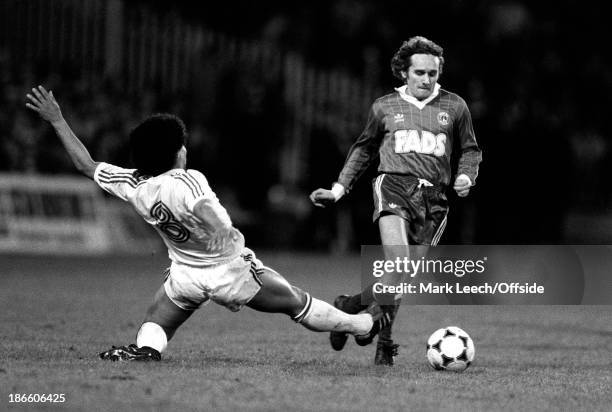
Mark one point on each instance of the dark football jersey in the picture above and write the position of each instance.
(415, 141)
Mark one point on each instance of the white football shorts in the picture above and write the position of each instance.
(231, 284)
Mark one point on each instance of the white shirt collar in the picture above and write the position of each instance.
(418, 103)
(172, 171)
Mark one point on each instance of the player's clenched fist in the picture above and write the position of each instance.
(43, 103)
(462, 185)
(322, 197)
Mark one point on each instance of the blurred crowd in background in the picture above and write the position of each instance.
(535, 76)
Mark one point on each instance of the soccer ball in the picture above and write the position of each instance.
(450, 349)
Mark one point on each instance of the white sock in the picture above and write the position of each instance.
(323, 317)
(153, 336)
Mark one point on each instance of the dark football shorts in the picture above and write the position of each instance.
(422, 205)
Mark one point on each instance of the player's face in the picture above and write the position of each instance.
(422, 75)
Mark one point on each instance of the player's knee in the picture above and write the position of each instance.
(166, 314)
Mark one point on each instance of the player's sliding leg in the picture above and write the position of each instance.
(278, 296)
(161, 321)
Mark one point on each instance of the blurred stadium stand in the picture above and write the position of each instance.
(273, 96)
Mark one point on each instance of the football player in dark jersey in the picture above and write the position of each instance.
(411, 132)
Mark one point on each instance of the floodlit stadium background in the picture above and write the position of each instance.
(274, 93)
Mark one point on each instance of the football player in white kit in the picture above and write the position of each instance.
(209, 260)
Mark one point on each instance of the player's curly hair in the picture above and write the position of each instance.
(418, 44)
(155, 142)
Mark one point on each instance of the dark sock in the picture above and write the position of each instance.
(360, 301)
(385, 333)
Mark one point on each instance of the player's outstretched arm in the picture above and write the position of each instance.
(43, 102)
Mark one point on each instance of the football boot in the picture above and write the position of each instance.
(130, 353)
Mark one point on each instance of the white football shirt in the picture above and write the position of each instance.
(166, 202)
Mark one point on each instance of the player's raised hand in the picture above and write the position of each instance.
(42, 102)
(462, 185)
(322, 197)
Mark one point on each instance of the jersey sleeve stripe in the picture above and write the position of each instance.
(130, 182)
(196, 184)
(106, 172)
(117, 180)
(109, 176)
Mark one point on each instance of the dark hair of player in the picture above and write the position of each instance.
(401, 61)
(155, 142)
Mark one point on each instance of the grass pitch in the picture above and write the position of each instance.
(56, 314)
